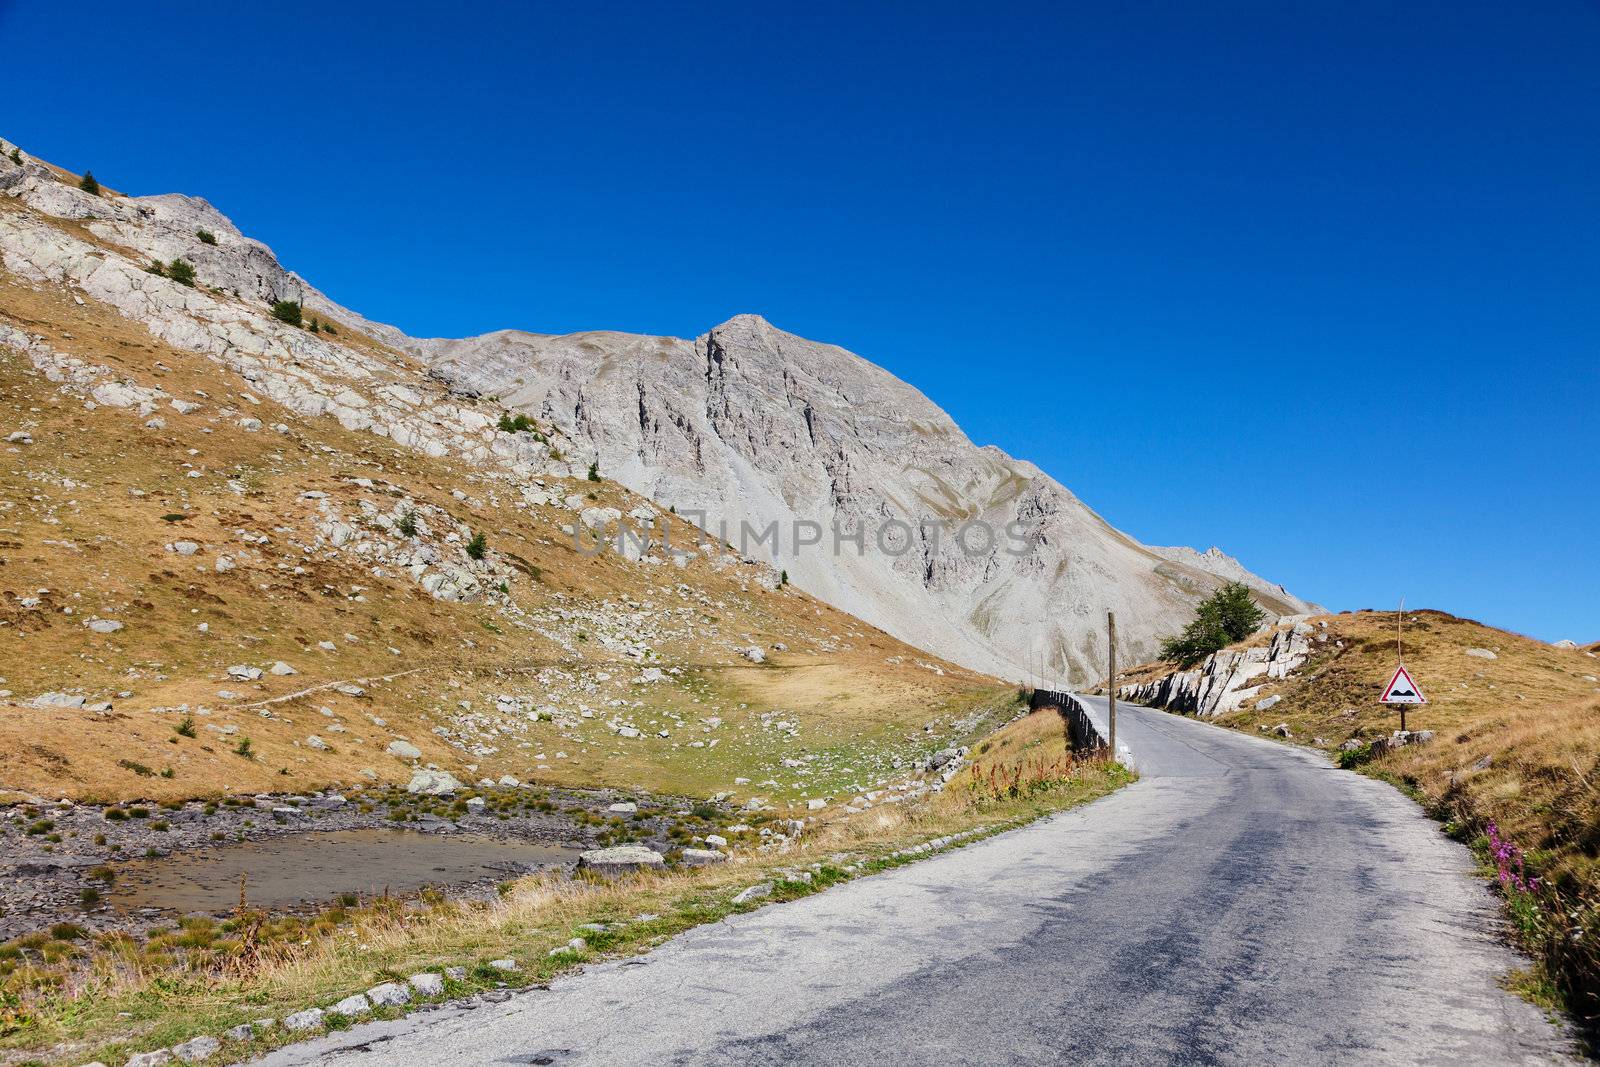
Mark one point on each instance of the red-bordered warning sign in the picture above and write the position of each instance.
(1401, 689)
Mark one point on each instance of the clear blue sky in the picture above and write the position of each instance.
(1315, 282)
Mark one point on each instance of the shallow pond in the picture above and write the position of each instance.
(306, 868)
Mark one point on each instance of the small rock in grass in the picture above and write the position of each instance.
(151, 1059)
(242, 1032)
(392, 993)
(755, 892)
(627, 807)
(503, 965)
(456, 974)
(355, 1004)
(104, 626)
(623, 859)
(427, 983)
(282, 669)
(716, 841)
(702, 857)
(403, 750)
(309, 1019)
(197, 1049)
(1481, 653)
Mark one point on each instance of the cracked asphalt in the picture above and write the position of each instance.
(1243, 903)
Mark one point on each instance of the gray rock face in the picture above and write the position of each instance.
(753, 425)
(624, 859)
(1225, 680)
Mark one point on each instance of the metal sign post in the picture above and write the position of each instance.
(1401, 690)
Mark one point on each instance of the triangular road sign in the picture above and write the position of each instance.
(1401, 689)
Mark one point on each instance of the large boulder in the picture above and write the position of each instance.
(621, 860)
(433, 783)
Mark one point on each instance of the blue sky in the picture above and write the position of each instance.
(1318, 282)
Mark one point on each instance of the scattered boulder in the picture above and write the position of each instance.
(1268, 703)
(627, 807)
(716, 841)
(1481, 653)
(623, 859)
(104, 626)
(754, 655)
(282, 669)
(315, 742)
(151, 1059)
(433, 783)
(504, 965)
(755, 892)
(403, 750)
(702, 857)
(427, 984)
(1281, 730)
(355, 1004)
(58, 700)
(244, 673)
(391, 994)
(309, 1019)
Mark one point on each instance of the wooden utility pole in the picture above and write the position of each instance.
(1111, 677)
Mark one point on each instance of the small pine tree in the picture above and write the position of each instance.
(287, 311)
(157, 268)
(206, 237)
(594, 471)
(16, 155)
(783, 578)
(182, 272)
(478, 547)
(1226, 616)
(88, 184)
(327, 327)
(407, 524)
(505, 424)
(315, 327)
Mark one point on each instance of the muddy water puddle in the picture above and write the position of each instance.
(295, 869)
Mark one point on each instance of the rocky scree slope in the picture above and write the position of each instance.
(219, 527)
(752, 425)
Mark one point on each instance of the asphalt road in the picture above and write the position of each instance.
(1244, 902)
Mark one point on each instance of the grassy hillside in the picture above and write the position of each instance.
(1516, 744)
(94, 499)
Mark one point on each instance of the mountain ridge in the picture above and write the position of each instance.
(746, 423)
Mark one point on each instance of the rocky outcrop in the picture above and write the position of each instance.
(1225, 680)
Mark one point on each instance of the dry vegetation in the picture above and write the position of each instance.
(118, 995)
(74, 536)
(1517, 745)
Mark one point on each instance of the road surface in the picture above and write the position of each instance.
(1243, 903)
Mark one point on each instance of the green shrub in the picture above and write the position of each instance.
(243, 749)
(16, 156)
(206, 237)
(182, 272)
(287, 311)
(186, 727)
(407, 526)
(478, 547)
(158, 268)
(594, 471)
(88, 184)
